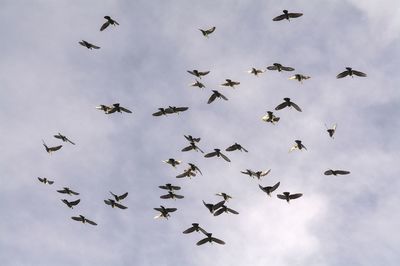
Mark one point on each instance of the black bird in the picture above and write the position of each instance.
(164, 212)
(298, 145)
(120, 197)
(170, 187)
(260, 174)
(44, 180)
(83, 219)
(255, 71)
(224, 195)
(287, 196)
(63, 138)
(331, 131)
(287, 103)
(161, 111)
(225, 209)
(198, 84)
(194, 168)
(287, 15)
(109, 22)
(270, 117)
(210, 239)
(207, 31)
(218, 153)
(197, 73)
(117, 108)
(195, 227)
(192, 139)
(51, 149)
(230, 83)
(269, 189)
(172, 162)
(171, 195)
(216, 94)
(68, 191)
(174, 109)
(350, 72)
(88, 45)
(192, 146)
(300, 77)
(279, 67)
(114, 204)
(71, 204)
(186, 173)
(336, 172)
(235, 147)
(248, 172)
(213, 207)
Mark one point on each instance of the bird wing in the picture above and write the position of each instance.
(244, 150)
(232, 211)
(94, 46)
(105, 25)
(216, 240)
(209, 31)
(76, 202)
(218, 212)
(358, 73)
(184, 174)
(262, 188)
(279, 18)
(125, 110)
(280, 196)
(57, 136)
(108, 202)
(281, 106)
(189, 230)
(90, 222)
(77, 218)
(231, 148)
(287, 68)
(296, 107)
(211, 154)
(62, 191)
(275, 187)
(158, 209)
(41, 179)
(73, 192)
(272, 68)
(55, 148)
(175, 187)
(167, 196)
(66, 202)
(70, 141)
(295, 196)
(212, 98)
(266, 172)
(295, 15)
(203, 231)
(191, 72)
(329, 172)
(163, 187)
(225, 157)
(170, 209)
(342, 75)
(218, 205)
(179, 196)
(293, 77)
(188, 148)
(203, 241)
(50, 182)
(121, 206)
(342, 172)
(123, 196)
(204, 73)
(181, 109)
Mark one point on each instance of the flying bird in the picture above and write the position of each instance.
(171, 195)
(88, 45)
(83, 219)
(248, 172)
(269, 189)
(195, 227)
(186, 173)
(212, 207)
(68, 191)
(297, 146)
(51, 149)
(198, 84)
(216, 94)
(170, 187)
(71, 204)
(287, 103)
(197, 73)
(114, 204)
(164, 212)
(255, 71)
(350, 72)
(172, 162)
(270, 117)
(192, 139)
(63, 138)
(287, 15)
(230, 83)
(210, 239)
(105, 108)
(260, 174)
(161, 111)
(225, 209)
(336, 172)
(235, 147)
(300, 77)
(331, 131)
(117, 108)
(287, 196)
(225, 196)
(279, 67)
(120, 197)
(109, 22)
(192, 146)
(207, 31)
(174, 109)
(44, 180)
(218, 153)
(194, 168)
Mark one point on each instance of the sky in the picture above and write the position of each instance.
(50, 84)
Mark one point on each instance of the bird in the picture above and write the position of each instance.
(88, 45)
(170, 187)
(172, 162)
(224, 195)
(114, 204)
(218, 153)
(287, 15)
(336, 172)
(350, 72)
(68, 191)
(120, 197)
(248, 172)
(192, 139)
(298, 145)
(279, 67)
(195, 227)
(117, 108)
(197, 73)
(300, 77)
(71, 204)
(164, 212)
(198, 84)
(83, 219)
(192, 146)
(230, 83)
(63, 138)
(194, 168)
(212, 207)
(260, 174)
(174, 109)
(207, 31)
(186, 173)
(161, 111)
(51, 149)
(210, 239)
(109, 22)
(235, 147)
(171, 195)
(270, 117)
(216, 94)
(225, 209)
(269, 189)
(287, 103)
(331, 131)
(44, 180)
(105, 108)
(287, 196)
(255, 71)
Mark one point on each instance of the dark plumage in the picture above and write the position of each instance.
(112, 109)
(299, 77)
(193, 228)
(71, 204)
(186, 173)
(88, 45)
(172, 161)
(287, 103)
(68, 191)
(225, 196)
(230, 83)
(225, 209)
(279, 67)
(83, 219)
(298, 145)
(210, 239)
(197, 73)
(336, 172)
(235, 147)
(109, 22)
(350, 72)
(269, 189)
(51, 149)
(212, 207)
(120, 197)
(287, 196)
(255, 71)
(44, 180)
(287, 15)
(331, 131)
(218, 153)
(164, 212)
(114, 204)
(170, 187)
(174, 109)
(207, 32)
(191, 139)
(192, 146)
(63, 138)
(171, 195)
(216, 94)
(198, 84)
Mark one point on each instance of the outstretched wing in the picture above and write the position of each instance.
(189, 230)
(342, 75)
(279, 18)
(121, 206)
(287, 68)
(216, 240)
(232, 211)
(211, 154)
(281, 106)
(90, 222)
(105, 25)
(296, 107)
(329, 172)
(280, 196)
(225, 157)
(342, 172)
(77, 218)
(272, 68)
(76, 202)
(55, 148)
(295, 196)
(275, 187)
(212, 98)
(203, 241)
(218, 212)
(295, 15)
(167, 196)
(123, 196)
(359, 73)
(231, 148)
(94, 47)
(125, 110)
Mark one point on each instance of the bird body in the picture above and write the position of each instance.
(71, 204)
(207, 32)
(287, 196)
(279, 67)
(44, 180)
(51, 149)
(114, 204)
(350, 72)
(270, 117)
(230, 83)
(287, 15)
(88, 45)
(109, 22)
(164, 212)
(288, 103)
(83, 219)
(298, 145)
(216, 94)
(218, 153)
(63, 138)
(198, 84)
(269, 189)
(210, 239)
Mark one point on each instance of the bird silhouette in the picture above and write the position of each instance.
(83, 219)
(269, 189)
(255, 71)
(44, 180)
(120, 197)
(210, 239)
(88, 45)
(287, 103)
(279, 67)
(350, 72)
(172, 161)
(193, 228)
(287, 196)
(109, 22)
(287, 15)
(336, 172)
(171, 195)
(230, 83)
(68, 191)
(207, 32)
(51, 149)
(218, 153)
(297, 146)
(164, 212)
(71, 204)
(169, 187)
(299, 77)
(114, 204)
(235, 147)
(331, 131)
(216, 94)
(198, 84)
(197, 73)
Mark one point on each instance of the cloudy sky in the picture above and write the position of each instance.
(50, 84)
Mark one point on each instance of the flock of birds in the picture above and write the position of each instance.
(192, 170)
